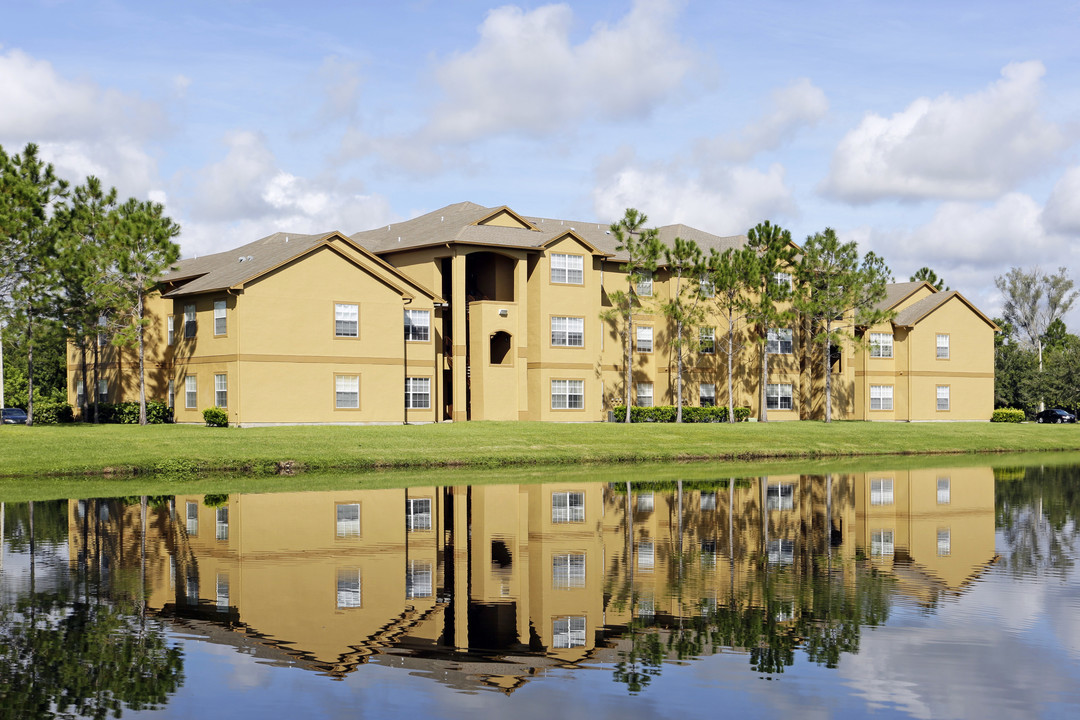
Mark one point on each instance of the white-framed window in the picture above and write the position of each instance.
(708, 501)
(568, 570)
(780, 552)
(778, 341)
(644, 339)
(80, 393)
(103, 390)
(708, 289)
(348, 588)
(708, 552)
(881, 543)
(707, 340)
(191, 392)
(780, 496)
(222, 523)
(191, 517)
(222, 601)
(881, 491)
(568, 507)
(881, 397)
(220, 325)
(418, 325)
(346, 320)
(190, 325)
(170, 326)
(881, 345)
(418, 577)
(942, 347)
(646, 609)
(707, 395)
(418, 393)
(646, 501)
(102, 321)
(783, 281)
(418, 513)
(778, 396)
(348, 519)
(567, 394)
(347, 392)
(644, 394)
(568, 632)
(944, 491)
(171, 398)
(567, 331)
(944, 542)
(646, 555)
(644, 283)
(567, 269)
(221, 390)
(191, 587)
(942, 397)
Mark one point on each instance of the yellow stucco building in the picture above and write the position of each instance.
(477, 313)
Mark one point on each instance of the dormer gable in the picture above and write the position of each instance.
(505, 217)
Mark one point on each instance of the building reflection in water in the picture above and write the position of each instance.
(490, 585)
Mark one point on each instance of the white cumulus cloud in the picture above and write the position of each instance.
(973, 147)
(526, 75)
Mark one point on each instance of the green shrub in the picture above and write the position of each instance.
(52, 412)
(215, 417)
(127, 413)
(1010, 415)
(667, 413)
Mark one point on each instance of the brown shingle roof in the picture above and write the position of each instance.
(912, 314)
(895, 293)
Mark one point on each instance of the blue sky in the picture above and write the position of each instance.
(941, 134)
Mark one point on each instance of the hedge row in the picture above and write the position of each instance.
(52, 412)
(666, 414)
(1011, 415)
(127, 413)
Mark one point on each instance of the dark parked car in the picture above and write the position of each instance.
(1057, 415)
(13, 416)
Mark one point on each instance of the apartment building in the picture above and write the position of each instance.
(479, 313)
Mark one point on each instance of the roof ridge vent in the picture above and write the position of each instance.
(286, 238)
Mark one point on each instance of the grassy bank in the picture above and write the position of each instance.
(119, 450)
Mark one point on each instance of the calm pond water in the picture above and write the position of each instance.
(934, 593)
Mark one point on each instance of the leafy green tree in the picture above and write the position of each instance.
(144, 248)
(838, 292)
(30, 191)
(926, 274)
(1056, 335)
(1015, 371)
(1060, 384)
(730, 276)
(1033, 300)
(643, 249)
(683, 307)
(775, 257)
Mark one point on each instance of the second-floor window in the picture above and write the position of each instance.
(346, 320)
(418, 325)
(707, 340)
(189, 321)
(170, 323)
(568, 331)
(219, 317)
(881, 345)
(644, 339)
(567, 269)
(943, 347)
(778, 341)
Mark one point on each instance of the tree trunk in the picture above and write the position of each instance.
(629, 354)
(678, 375)
(764, 414)
(142, 361)
(97, 378)
(84, 406)
(828, 375)
(30, 365)
(730, 368)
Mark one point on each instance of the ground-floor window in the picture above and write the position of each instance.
(707, 395)
(418, 393)
(942, 397)
(567, 394)
(567, 507)
(221, 390)
(418, 513)
(644, 394)
(778, 396)
(568, 632)
(347, 392)
(568, 570)
(348, 588)
(881, 397)
(191, 392)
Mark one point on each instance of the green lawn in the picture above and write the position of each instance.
(182, 449)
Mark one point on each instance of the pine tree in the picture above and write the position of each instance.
(731, 275)
(144, 248)
(685, 266)
(775, 256)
